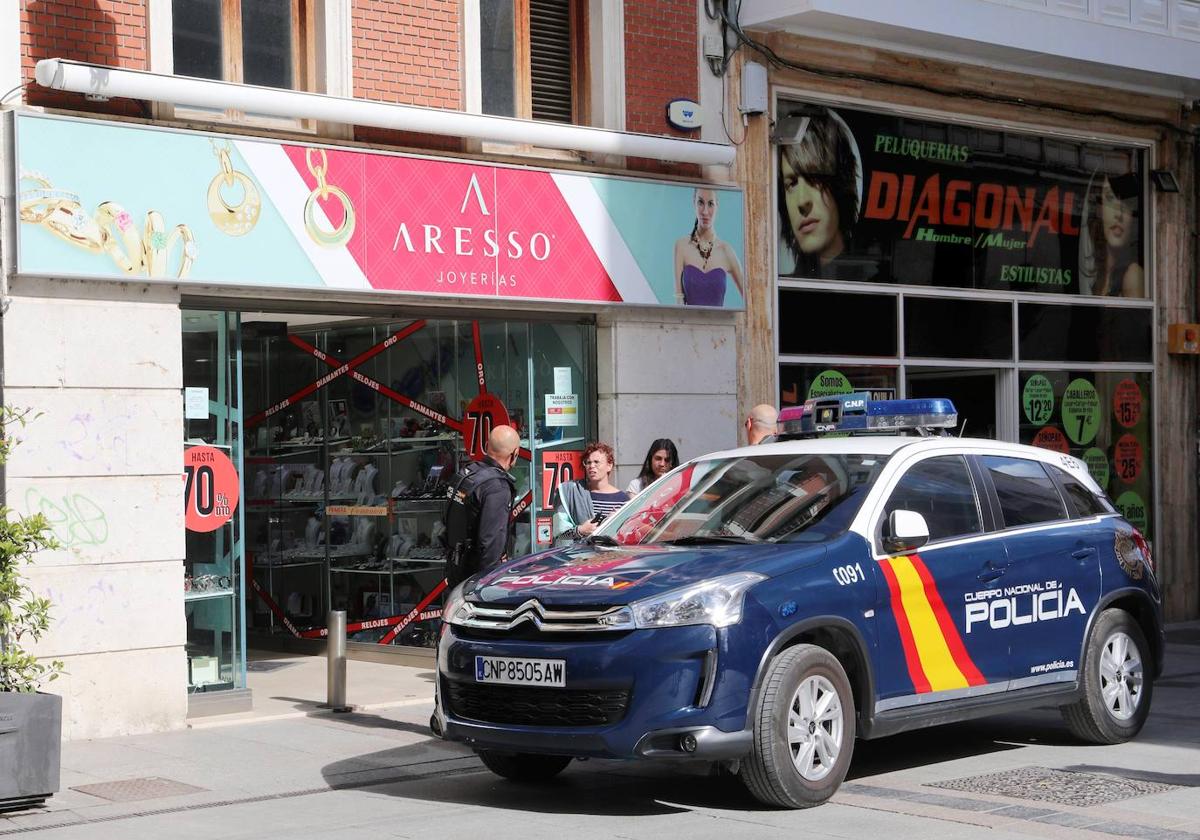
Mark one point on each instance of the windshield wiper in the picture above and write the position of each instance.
(713, 539)
(600, 539)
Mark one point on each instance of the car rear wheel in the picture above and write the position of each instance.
(1116, 682)
(803, 730)
(524, 767)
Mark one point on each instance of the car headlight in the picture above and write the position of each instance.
(456, 608)
(717, 602)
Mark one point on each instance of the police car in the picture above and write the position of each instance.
(766, 606)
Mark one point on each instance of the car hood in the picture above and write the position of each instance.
(609, 575)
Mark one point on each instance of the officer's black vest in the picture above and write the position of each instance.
(462, 519)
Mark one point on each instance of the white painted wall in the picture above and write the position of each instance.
(100, 364)
(672, 374)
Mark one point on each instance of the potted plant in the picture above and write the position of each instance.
(30, 722)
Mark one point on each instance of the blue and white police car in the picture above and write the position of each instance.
(766, 606)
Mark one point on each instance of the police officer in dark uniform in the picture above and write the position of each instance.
(479, 530)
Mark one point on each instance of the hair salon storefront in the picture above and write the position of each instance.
(330, 334)
(1014, 266)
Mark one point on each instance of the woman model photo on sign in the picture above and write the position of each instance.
(1109, 245)
(703, 263)
(820, 180)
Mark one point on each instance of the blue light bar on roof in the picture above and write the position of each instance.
(859, 414)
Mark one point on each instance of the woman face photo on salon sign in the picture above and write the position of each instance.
(1110, 237)
(820, 191)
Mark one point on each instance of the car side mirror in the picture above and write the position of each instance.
(906, 530)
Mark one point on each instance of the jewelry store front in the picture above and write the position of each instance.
(318, 436)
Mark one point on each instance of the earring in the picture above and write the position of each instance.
(341, 234)
(232, 219)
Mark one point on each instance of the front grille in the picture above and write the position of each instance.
(536, 706)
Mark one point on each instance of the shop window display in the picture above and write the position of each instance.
(798, 383)
(1103, 418)
(212, 573)
(355, 428)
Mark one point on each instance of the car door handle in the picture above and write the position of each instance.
(990, 574)
(1083, 553)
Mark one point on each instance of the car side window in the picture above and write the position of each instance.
(1085, 502)
(941, 490)
(1026, 492)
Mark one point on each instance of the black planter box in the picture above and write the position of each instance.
(30, 748)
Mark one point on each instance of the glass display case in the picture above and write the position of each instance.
(353, 429)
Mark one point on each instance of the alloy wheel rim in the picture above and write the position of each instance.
(814, 728)
(1121, 676)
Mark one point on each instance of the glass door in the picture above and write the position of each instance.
(212, 467)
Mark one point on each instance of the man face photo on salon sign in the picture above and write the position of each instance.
(820, 187)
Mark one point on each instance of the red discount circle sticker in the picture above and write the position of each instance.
(1127, 458)
(1127, 403)
(210, 488)
(483, 414)
(1051, 437)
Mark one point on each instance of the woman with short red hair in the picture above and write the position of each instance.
(581, 505)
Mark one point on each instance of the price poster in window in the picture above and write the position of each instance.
(210, 488)
(559, 468)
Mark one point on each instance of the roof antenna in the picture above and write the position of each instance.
(962, 428)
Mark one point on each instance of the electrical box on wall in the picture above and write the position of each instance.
(1183, 339)
(754, 88)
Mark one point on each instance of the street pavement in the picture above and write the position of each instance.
(378, 774)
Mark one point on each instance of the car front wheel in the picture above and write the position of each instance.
(803, 730)
(524, 767)
(1115, 680)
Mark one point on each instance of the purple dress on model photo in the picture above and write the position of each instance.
(703, 288)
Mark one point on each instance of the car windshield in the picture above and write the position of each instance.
(748, 499)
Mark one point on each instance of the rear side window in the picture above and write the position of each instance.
(1085, 502)
(940, 489)
(1026, 492)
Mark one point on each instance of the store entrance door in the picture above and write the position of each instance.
(973, 392)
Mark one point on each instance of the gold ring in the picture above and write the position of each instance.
(233, 219)
(157, 243)
(67, 221)
(343, 232)
(188, 252)
(38, 203)
(120, 236)
(154, 244)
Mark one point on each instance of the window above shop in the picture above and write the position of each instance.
(269, 43)
(532, 59)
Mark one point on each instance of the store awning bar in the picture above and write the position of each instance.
(100, 81)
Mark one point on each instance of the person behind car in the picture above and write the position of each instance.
(581, 505)
(661, 458)
(761, 424)
(479, 530)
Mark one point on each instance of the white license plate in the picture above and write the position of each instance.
(504, 669)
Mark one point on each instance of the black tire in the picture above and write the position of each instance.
(524, 767)
(1093, 718)
(770, 773)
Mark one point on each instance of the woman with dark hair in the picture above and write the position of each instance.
(660, 460)
(1109, 261)
(818, 192)
(704, 264)
(581, 505)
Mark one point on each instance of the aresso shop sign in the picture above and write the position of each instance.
(193, 207)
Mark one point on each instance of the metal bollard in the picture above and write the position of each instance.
(336, 653)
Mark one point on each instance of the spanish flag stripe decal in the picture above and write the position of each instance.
(906, 638)
(932, 650)
(949, 632)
